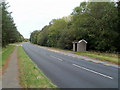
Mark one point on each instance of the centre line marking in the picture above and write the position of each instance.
(57, 58)
(93, 71)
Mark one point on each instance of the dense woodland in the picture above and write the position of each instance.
(9, 29)
(96, 22)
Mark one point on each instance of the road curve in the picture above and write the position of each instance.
(70, 72)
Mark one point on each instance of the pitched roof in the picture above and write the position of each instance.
(82, 41)
(76, 41)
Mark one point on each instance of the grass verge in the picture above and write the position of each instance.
(113, 58)
(30, 75)
(109, 57)
(5, 54)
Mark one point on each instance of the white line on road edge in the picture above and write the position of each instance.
(93, 71)
(57, 58)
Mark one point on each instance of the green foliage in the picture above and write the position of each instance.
(33, 37)
(55, 32)
(43, 36)
(6, 53)
(9, 29)
(102, 56)
(96, 22)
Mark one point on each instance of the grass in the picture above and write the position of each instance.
(5, 54)
(113, 58)
(109, 57)
(16, 43)
(30, 75)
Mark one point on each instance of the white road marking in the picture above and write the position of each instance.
(57, 58)
(93, 71)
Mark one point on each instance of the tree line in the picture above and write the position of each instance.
(9, 31)
(96, 22)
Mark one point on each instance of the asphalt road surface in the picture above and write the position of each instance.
(70, 72)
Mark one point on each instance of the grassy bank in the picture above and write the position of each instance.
(5, 54)
(109, 57)
(30, 75)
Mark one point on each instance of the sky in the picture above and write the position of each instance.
(30, 15)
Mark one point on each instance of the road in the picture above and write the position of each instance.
(70, 72)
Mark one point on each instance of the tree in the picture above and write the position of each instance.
(9, 29)
(96, 22)
(33, 37)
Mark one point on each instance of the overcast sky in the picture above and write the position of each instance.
(30, 15)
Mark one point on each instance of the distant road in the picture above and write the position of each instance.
(70, 72)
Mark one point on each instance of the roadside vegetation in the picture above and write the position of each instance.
(103, 56)
(10, 34)
(30, 75)
(113, 58)
(6, 53)
(95, 22)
